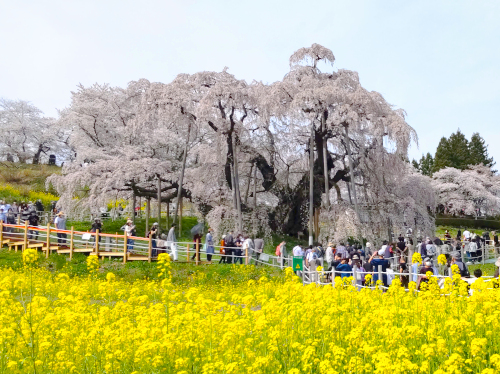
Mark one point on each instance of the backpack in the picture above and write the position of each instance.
(431, 250)
(278, 250)
(465, 272)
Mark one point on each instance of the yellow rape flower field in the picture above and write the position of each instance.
(51, 323)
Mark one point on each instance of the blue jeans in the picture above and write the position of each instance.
(130, 244)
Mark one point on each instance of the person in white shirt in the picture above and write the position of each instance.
(297, 250)
(329, 255)
(60, 223)
(312, 264)
(247, 247)
(467, 235)
(129, 229)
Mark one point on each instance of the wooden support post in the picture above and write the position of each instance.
(97, 242)
(159, 205)
(125, 247)
(19, 218)
(380, 274)
(168, 217)
(354, 276)
(150, 247)
(48, 241)
(1, 234)
(25, 245)
(197, 250)
(71, 243)
(246, 256)
(148, 212)
(187, 251)
(180, 217)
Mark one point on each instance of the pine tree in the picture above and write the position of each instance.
(415, 165)
(426, 164)
(453, 152)
(478, 151)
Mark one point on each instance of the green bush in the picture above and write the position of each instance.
(468, 223)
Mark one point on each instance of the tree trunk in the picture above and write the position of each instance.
(325, 164)
(311, 184)
(133, 206)
(181, 178)
(36, 157)
(237, 188)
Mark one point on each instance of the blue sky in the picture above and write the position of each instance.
(438, 60)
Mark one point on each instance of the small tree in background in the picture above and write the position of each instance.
(478, 151)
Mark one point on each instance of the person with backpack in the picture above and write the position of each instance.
(282, 253)
(456, 260)
(34, 221)
(238, 251)
(129, 230)
(312, 264)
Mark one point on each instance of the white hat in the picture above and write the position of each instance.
(368, 245)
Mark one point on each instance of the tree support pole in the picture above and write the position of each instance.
(353, 186)
(159, 205)
(311, 185)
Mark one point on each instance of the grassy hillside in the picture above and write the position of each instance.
(26, 182)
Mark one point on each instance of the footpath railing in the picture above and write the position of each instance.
(130, 248)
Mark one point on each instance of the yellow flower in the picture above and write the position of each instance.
(441, 259)
(416, 258)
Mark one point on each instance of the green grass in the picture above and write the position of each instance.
(136, 270)
(440, 230)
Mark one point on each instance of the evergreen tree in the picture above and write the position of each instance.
(426, 164)
(478, 151)
(415, 165)
(453, 152)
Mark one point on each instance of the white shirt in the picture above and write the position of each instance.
(311, 256)
(297, 250)
(467, 234)
(329, 254)
(382, 250)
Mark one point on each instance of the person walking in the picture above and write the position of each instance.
(258, 248)
(153, 235)
(197, 244)
(238, 249)
(222, 250)
(129, 230)
(209, 241)
(229, 247)
(60, 224)
(172, 242)
(33, 221)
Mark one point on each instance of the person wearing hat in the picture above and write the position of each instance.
(129, 230)
(60, 224)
